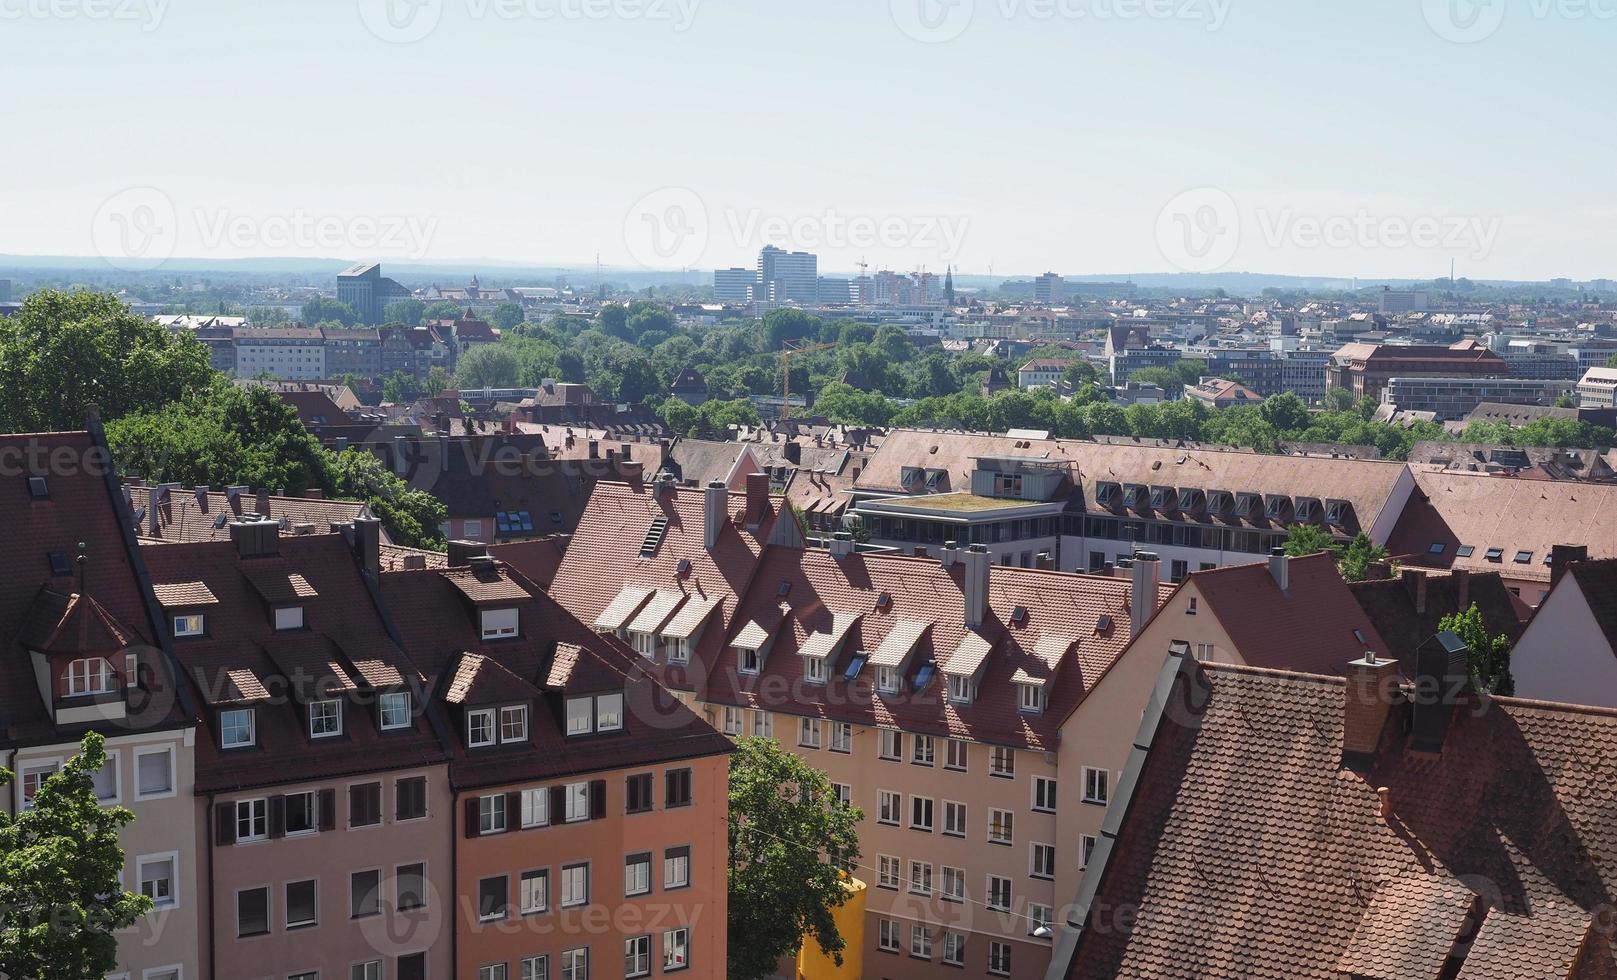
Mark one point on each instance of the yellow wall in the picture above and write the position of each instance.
(814, 964)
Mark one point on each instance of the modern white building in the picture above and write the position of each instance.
(1598, 388)
(786, 277)
(290, 353)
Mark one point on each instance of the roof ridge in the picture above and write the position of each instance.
(1335, 680)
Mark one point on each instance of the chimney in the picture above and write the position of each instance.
(1563, 554)
(202, 497)
(461, 553)
(1280, 568)
(841, 544)
(233, 497)
(794, 453)
(1372, 683)
(1442, 673)
(342, 443)
(415, 563)
(949, 555)
(1146, 573)
(663, 489)
(1045, 561)
(1415, 585)
(977, 561)
(256, 539)
(757, 499)
(367, 543)
(314, 493)
(715, 500)
(919, 551)
(1377, 571)
(624, 451)
(1462, 589)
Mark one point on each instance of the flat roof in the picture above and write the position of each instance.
(959, 502)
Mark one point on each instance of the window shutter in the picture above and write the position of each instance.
(597, 799)
(402, 791)
(224, 823)
(328, 809)
(558, 804)
(471, 816)
(277, 816)
(513, 810)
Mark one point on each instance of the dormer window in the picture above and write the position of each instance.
(480, 727)
(236, 728)
(498, 623)
(580, 716)
(1189, 498)
(395, 710)
(325, 718)
(680, 651)
(1106, 494)
(1336, 512)
(514, 723)
(962, 688)
(1244, 503)
(1159, 497)
(1220, 500)
(1305, 508)
(645, 644)
(92, 675)
(1030, 699)
(288, 618)
(597, 713)
(887, 680)
(814, 670)
(609, 712)
(749, 661)
(1274, 507)
(188, 625)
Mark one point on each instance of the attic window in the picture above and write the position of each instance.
(855, 666)
(1336, 511)
(883, 601)
(555, 517)
(933, 478)
(1358, 634)
(514, 521)
(1244, 502)
(1104, 494)
(1305, 509)
(683, 568)
(59, 563)
(288, 618)
(1159, 497)
(1549, 559)
(1495, 554)
(923, 677)
(1188, 498)
(1274, 507)
(1103, 624)
(1523, 557)
(1220, 500)
(37, 488)
(784, 590)
(1436, 548)
(1019, 615)
(1465, 551)
(498, 623)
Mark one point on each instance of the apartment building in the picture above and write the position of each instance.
(292, 353)
(1042, 372)
(89, 650)
(322, 798)
(589, 813)
(1452, 399)
(1364, 369)
(352, 350)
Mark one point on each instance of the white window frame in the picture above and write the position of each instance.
(962, 689)
(887, 935)
(96, 678)
(954, 949)
(887, 680)
(535, 808)
(676, 947)
(1044, 795)
(486, 718)
(257, 812)
(498, 624)
(609, 720)
(1030, 699)
(920, 941)
(527, 893)
(173, 773)
(999, 958)
(173, 859)
(735, 720)
(321, 706)
(955, 819)
(814, 671)
(920, 878)
(747, 660)
(391, 707)
(890, 807)
(513, 718)
(1002, 762)
(954, 884)
(888, 871)
(1001, 826)
(580, 715)
(491, 815)
(1095, 777)
(225, 726)
(923, 750)
(111, 766)
(808, 733)
(931, 813)
(189, 624)
(957, 755)
(891, 747)
(992, 884)
(637, 956)
(1035, 849)
(570, 899)
(285, 621)
(841, 736)
(637, 875)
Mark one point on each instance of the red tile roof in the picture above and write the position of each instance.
(183, 515)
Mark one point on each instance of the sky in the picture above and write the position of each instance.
(1371, 138)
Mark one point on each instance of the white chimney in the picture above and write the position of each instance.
(1280, 568)
(977, 561)
(1146, 573)
(949, 555)
(841, 544)
(715, 500)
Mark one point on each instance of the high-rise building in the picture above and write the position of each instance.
(734, 285)
(364, 288)
(788, 276)
(1049, 288)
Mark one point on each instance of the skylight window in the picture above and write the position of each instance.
(1495, 554)
(59, 563)
(37, 488)
(1437, 548)
(1019, 615)
(1523, 557)
(923, 677)
(883, 601)
(1465, 551)
(855, 666)
(784, 590)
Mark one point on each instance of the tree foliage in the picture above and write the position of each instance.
(1303, 540)
(323, 310)
(786, 825)
(405, 311)
(1356, 558)
(1490, 655)
(60, 864)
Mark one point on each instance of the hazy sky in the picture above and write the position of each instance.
(1369, 138)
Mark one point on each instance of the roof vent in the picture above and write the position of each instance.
(654, 537)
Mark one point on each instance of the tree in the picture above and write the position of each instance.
(1611, 361)
(487, 366)
(506, 315)
(1285, 411)
(1338, 400)
(787, 828)
(62, 351)
(1306, 539)
(405, 311)
(1490, 655)
(1356, 558)
(321, 310)
(400, 388)
(443, 310)
(412, 517)
(60, 864)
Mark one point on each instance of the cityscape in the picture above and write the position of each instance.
(703, 508)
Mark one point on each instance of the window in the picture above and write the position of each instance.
(106, 780)
(814, 670)
(252, 912)
(1044, 861)
(471, 529)
(1030, 698)
(954, 884)
(763, 724)
(1044, 794)
(999, 958)
(491, 814)
(1002, 761)
(480, 726)
(235, 727)
(252, 820)
(886, 871)
(887, 935)
(1086, 844)
(578, 802)
(954, 818)
(535, 968)
(497, 623)
(92, 675)
(154, 773)
(609, 712)
(887, 680)
(645, 644)
(638, 793)
(411, 966)
(676, 949)
(302, 904)
(1495, 554)
(920, 941)
(298, 814)
(492, 898)
(956, 756)
(922, 750)
(676, 867)
(1000, 823)
(1039, 916)
(535, 807)
(580, 716)
(732, 720)
(888, 806)
(892, 745)
(325, 718)
(493, 972)
(921, 813)
(1204, 652)
(1465, 551)
(841, 736)
(637, 956)
(514, 723)
(289, 618)
(808, 733)
(954, 949)
(575, 964)
(680, 652)
(364, 894)
(1095, 785)
(157, 880)
(749, 661)
(999, 893)
(962, 688)
(1190, 608)
(410, 880)
(575, 885)
(365, 805)
(131, 670)
(395, 710)
(410, 798)
(842, 793)
(533, 891)
(1524, 557)
(1437, 548)
(677, 788)
(637, 874)
(920, 878)
(371, 970)
(188, 625)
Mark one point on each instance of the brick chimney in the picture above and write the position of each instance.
(1372, 683)
(715, 499)
(977, 562)
(1144, 576)
(757, 500)
(1415, 585)
(1562, 555)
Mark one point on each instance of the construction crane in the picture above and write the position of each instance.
(787, 352)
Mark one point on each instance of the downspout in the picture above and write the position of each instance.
(208, 819)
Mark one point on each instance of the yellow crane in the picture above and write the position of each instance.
(787, 352)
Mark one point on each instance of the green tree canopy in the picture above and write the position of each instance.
(506, 315)
(1490, 655)
(487, 366)
(1306, 539)
(60, 865)
(1357, 556)
(405, 311)
(323, 310)
(787, 829)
